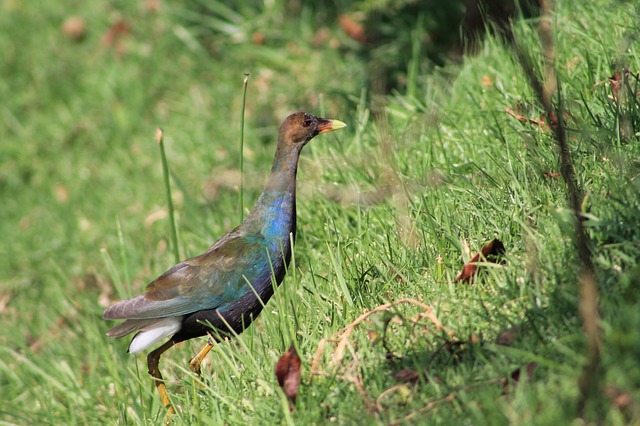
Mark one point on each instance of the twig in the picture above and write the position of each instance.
(343, 343)
(356, 380)
(522, 118)
(428, 407)
(386, 393)
(436, 353)
(449, 398)
(342, 337)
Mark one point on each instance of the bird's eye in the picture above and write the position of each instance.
(307, 122)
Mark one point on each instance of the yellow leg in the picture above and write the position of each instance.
(153, 359)
(196, 362)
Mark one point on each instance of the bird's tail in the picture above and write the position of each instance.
(150, 331)
(129, 326)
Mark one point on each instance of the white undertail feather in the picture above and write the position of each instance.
(151, 334)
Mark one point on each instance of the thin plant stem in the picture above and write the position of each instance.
(123, 253)
(167, 186)
(244, 98)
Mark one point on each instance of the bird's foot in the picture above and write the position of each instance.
(196, 362)
(195, 365)
(170, 413)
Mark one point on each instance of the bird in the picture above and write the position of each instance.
(220, 292)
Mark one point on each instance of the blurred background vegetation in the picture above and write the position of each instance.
(430, 168)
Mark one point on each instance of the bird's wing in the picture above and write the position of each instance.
(208, 281)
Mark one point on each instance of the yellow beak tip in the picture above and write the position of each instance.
(337, 124)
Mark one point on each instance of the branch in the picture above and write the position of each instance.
(590, 380)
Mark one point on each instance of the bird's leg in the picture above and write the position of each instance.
(196, 362)
(153, 359)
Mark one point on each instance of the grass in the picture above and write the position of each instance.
(389, 208)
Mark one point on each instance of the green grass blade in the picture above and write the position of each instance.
(167, 187)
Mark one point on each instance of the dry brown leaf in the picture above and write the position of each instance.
(75, 28)
(406, 375)
(475, 339)
(152, 6)
(373, 335)
(61, 193)
(288, 373)
(155, 216)
(489, 253)
(116, 31)
(258, 38)
(506, 337)
(617, 79)
(543, 122)
(355, 30)
(517, 374)
(115, 35)
(619, 399)
(398, 275)
(4, 301)
(321, 37)
(521, 118)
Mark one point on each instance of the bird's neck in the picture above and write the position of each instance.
(274, 215)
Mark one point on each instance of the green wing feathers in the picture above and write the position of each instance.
(203, 282)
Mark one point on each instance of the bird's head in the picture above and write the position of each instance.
(300, 127)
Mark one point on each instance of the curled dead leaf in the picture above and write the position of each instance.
(406, 375)
(354, 29)
(61, 193)
(373, 336)
(152, 6)
(75, 28)
(115, 36)
(617, 80)
(619, 398)
(506, 337)
(4, 301)
(155, 216)
(288, 373)
(489, 253)
(475, 339)
(258, 38)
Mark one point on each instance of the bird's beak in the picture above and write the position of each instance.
(326, 125)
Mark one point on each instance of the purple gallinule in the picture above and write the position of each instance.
(221, 291)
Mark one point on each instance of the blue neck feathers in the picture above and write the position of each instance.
(274, 215)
